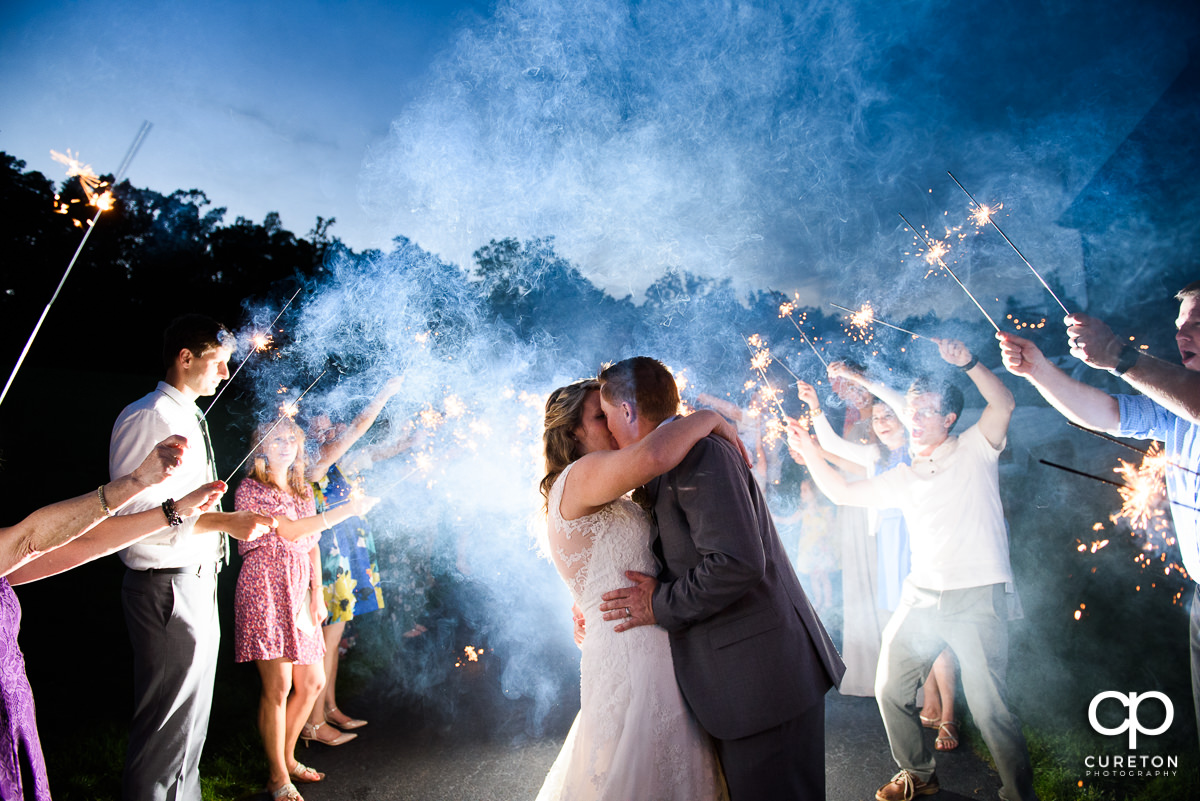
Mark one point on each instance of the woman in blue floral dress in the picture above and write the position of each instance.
(349, 569)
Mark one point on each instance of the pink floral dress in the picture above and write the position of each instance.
(271, 617)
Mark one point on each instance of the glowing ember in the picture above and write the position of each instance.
(289, 409)
(470, 654)
(260, 341)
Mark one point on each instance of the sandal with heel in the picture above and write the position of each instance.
(310, 734)
(349, 724)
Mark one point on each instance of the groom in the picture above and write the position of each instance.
(751, 657)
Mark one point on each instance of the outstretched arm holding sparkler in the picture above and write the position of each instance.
(993, 423)
(849, 456)
(832, 484)
(1088, 406)
(334, 446)
(841, 370)
(1174, 387)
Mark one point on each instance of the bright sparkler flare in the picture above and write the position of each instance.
(260, 341)
(289, 409)
(761, 359)
(936, 250)
(1144, 490)
(982, 215)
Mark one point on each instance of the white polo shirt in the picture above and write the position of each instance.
(951, 504)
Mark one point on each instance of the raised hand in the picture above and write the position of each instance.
(1092, 341)
(808, 393)
(953, 351)
(161, 462)
(1019, 355)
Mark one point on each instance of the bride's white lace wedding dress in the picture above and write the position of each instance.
(634, 738)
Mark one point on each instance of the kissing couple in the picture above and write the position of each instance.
(704, 666)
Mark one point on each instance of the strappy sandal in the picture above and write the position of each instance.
(947, 739)
(287, 792)
(304, 774)
(929, 723)
(349, 724)
(309, 735)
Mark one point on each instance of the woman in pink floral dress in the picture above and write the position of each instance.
(279, 605)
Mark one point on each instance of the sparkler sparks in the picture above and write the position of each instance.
(785, 310)
(287, 411)
(100, 209)
(984, 214)
(260, 342)
(865, 316)
(936, 250)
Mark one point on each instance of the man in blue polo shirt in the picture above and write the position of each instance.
(1168, 410)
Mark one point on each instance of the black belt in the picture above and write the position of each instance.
(204, 569)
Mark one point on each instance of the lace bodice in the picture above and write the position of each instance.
(593, 552)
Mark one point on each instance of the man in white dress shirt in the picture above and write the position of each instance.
(170, 588)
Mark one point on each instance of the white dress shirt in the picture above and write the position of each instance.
(140, 426)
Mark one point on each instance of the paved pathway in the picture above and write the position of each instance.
(400, 757)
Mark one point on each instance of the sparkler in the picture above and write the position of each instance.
(934, 254)
(102, 203)
(261, 342)
(1150, 452)
(983, 216)
(1136, 492)
(785, 310)
(760, 360)
(866, 316)
(287, 412)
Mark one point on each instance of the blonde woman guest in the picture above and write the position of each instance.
(278, 605)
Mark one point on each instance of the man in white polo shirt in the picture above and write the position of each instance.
(956, 593)
(170, 588)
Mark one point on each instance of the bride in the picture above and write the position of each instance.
(634, 737)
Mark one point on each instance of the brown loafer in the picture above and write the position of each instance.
(905, 786)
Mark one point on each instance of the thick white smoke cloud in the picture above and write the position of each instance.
(771, 143)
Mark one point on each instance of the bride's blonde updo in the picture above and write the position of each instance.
(564, 413)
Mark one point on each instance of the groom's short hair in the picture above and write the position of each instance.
(644, 383)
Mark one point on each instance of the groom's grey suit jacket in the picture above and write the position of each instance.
(749, 650)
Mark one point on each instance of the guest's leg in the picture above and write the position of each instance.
(308, 682)
(174, 633)
(975, 623)
(945, 668)
(910, 645)
(328, 700)
(276, 677)
(785, 763)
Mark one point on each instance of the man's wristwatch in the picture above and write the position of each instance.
(1128, 359)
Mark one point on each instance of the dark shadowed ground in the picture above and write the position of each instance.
(400, 758)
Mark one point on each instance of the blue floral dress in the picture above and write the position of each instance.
(349, 568)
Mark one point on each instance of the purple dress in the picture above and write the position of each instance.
(22, 769)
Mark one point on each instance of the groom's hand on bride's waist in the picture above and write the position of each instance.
(631, 606)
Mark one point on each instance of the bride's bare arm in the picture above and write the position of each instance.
(603, 476)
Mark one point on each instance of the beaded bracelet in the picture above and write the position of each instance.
(173, 518)
(103, 501)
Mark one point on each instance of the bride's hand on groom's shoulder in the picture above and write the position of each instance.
(728, 431)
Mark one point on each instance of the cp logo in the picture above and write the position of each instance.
(1131, 723)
